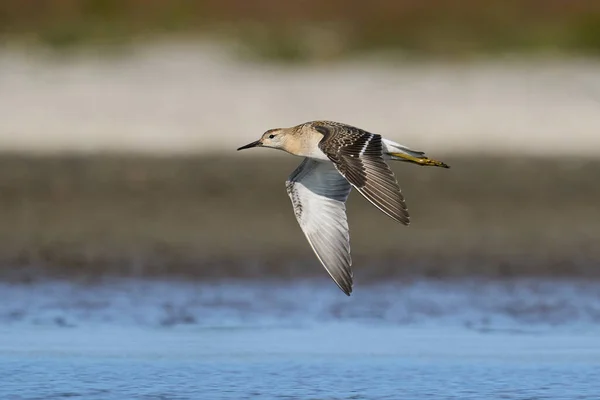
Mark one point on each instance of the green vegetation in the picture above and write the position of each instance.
(313, 29)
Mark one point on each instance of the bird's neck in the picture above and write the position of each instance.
(305, 146)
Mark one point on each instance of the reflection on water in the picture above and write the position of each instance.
(425, 339)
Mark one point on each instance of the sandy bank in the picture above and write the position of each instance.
(195, 99)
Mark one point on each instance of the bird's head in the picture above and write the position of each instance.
(274, 138)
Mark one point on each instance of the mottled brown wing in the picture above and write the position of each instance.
(358, 155)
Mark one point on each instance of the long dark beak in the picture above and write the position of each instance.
(250, 145)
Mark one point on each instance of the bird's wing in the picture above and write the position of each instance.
(318, 193)
(358, 155)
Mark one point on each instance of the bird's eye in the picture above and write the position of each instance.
(271, 136)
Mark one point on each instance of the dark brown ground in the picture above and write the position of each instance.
(210, 217)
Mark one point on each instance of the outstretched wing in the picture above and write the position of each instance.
(358, 155)
(318, 193)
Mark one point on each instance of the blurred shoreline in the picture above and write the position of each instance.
(211, 217)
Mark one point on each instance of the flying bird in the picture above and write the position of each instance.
(338, 157)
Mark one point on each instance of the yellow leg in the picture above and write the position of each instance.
(423, 161)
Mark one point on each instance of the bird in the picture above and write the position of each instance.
(337, 158)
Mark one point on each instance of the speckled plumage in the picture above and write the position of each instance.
(358, 156)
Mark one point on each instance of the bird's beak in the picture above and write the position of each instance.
(250, 145)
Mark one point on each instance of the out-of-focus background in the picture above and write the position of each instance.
(119, 177)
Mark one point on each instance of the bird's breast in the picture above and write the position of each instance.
(317, 154)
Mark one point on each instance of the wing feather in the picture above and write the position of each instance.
(318, 193)
(358, 155)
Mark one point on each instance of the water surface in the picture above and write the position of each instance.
(132, 339)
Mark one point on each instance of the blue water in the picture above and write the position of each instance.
(234, 340)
